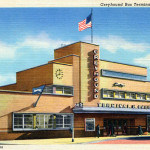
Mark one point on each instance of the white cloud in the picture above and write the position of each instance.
(144, 61)
(7, 51)
(114, 43)
(42, 42)
(7, 79)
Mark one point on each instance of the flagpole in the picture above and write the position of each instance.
(92, 25)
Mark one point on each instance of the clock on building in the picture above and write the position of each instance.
(59, 73)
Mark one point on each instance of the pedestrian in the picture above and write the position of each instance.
(112, 129)
(140, 132)
(109, 130)
(98, 130)
(125, 129)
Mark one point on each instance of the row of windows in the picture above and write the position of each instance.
(125, 95)
(109, 73)
(59, 90)
(41, 121)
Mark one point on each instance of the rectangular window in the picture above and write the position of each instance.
(110, 94)
(59, 121)
(49, 121)
(116, 74)
(104, 93)
(42, 121)
(121, 95)
(124, 95)
(117, 94)
(141, 96)
(18, 121)
(48, 89)
(60, 90)
(90, 124)
(131, 96)
(148, 97)
(68, 91)
(28, 121)
(67, 121)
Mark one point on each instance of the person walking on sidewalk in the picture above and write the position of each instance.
(98, 130)
(140, 132)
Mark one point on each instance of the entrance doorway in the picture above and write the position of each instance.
(120, 126)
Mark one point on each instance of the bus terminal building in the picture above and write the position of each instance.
(80, 91)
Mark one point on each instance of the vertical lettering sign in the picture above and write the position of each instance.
(96, 73)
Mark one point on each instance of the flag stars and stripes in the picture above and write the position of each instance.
(86, 23)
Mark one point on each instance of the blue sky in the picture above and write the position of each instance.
(28, 36)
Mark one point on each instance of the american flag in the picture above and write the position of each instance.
(86, 23)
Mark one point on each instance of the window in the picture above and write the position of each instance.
(148, 97)
(23, 121)
(68, 91)
(59, 121)
(109, 94)
(116, 74)
(18, 121)
(67, 121)
(48, 89)
(58, 90)
(131, 96)
(90, 124)
(141, 96)
(42, 121)
(112, 94)
(49, 121)
(28, 121)
(119, 94)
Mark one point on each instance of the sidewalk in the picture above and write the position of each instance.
(85, 140)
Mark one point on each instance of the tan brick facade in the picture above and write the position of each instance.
(77, 63)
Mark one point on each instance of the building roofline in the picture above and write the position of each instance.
(32, 68)
(75, 43)
(8, 84)
(43, 65)
(123, 63)
(63, 57)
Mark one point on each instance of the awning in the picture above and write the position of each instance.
(107, 110)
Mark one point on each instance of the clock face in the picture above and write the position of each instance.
(59, 73)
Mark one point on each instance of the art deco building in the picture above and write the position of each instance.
(80, 92)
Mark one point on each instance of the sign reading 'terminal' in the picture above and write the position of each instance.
(123, 106)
